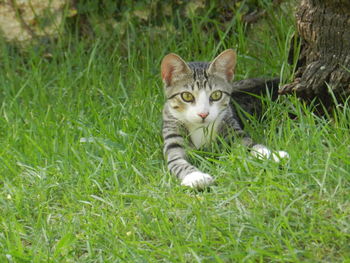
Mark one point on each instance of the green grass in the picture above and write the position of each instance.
(82, 177)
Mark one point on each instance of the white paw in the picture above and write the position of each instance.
(280, 155)
(262, 152)
(197, 180)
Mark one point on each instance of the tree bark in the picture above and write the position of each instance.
(324, 60)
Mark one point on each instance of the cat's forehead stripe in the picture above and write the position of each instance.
(199, 74)
(199, 70)
(205, 74)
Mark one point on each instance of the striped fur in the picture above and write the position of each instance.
(199, 108)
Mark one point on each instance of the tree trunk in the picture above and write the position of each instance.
(324, 60)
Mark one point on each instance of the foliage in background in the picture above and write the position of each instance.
(104, 16)
(23, 21)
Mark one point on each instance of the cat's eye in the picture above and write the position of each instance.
(216, 95)
(187, 97)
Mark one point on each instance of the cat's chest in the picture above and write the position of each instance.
(202, 135)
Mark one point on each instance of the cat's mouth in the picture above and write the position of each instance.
(205, 122)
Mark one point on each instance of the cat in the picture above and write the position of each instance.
(199, 107)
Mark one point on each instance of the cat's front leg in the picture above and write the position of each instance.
(177, 163)
(260, 151)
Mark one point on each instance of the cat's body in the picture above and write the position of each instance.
(199, 108)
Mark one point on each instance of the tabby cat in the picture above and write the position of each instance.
(199, 107)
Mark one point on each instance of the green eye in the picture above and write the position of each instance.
(216, 95)
(187, 97)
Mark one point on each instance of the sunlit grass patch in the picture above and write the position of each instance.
(82, 176)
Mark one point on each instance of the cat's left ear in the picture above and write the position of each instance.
(224, 65)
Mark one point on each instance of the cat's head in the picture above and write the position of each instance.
(198, 92)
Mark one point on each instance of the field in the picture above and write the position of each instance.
(82, 176)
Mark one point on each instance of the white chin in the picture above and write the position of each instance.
(195, 120)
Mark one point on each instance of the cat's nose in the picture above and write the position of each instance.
(203, 115)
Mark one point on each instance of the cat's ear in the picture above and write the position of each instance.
(173, 67)
(224, 65)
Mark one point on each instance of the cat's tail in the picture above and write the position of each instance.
(247, 94)
(256, 86)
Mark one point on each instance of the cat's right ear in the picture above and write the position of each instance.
(224, 65)
(173, 67)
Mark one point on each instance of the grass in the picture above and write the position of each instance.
(82, 177)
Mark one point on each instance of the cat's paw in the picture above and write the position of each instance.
(280, 156)
(197, 180)
(262, 152)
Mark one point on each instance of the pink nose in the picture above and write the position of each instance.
(203, 115)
